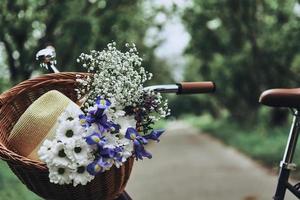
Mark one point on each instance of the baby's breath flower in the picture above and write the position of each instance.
(116, 75)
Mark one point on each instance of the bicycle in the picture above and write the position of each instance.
(287, 98)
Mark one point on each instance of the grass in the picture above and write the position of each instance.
(264, 144)
(11, 187)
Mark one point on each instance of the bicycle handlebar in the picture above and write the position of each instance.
(47, 59)
(196, 87)
(185, 88)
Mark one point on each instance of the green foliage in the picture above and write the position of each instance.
(193, 104)
(4, 84)
(246, 47)
(11, 187)
(71, 27)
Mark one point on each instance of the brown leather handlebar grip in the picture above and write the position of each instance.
(196, 87)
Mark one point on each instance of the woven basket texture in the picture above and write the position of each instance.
(34, 174)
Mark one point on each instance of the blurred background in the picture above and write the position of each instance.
(245, 46)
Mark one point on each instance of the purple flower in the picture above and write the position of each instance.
(96, 138)
(138, 143)
(101, 141)
(102, 103)
(99, 117)
(140, 152)
(154, 135)
(118, 154)
(94, 168)
(83, 122)
(98, 166)
(107, 152)
(132, 134)
(114, 128)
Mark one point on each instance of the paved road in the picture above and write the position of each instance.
(192, 166)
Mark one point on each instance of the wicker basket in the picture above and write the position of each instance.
(13, 103)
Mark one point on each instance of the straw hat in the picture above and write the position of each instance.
(38, 123)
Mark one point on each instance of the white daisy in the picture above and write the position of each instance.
(79, 151)
(67, 130)
(46, 151)
(70, 113)
(59, 155)
(60, 174)
(81, 176)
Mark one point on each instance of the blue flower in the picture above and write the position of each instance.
(118, 154)
(98, 166)
(138, 143)
(140, 152)
(107, 152)
(94, 168)
(102, 103)
(115, 128)
(101, 141)
(95, 138)
(154, 135)
(82, 120)
(132, 134)
(99, 117)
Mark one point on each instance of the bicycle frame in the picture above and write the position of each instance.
(287, 165)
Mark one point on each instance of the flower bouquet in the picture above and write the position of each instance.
(93, 146)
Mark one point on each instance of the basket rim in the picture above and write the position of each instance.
(9, 96)
(36, 81)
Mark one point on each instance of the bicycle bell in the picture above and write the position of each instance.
(47, 60)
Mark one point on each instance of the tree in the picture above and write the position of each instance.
(71, 27)
(246, 47)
